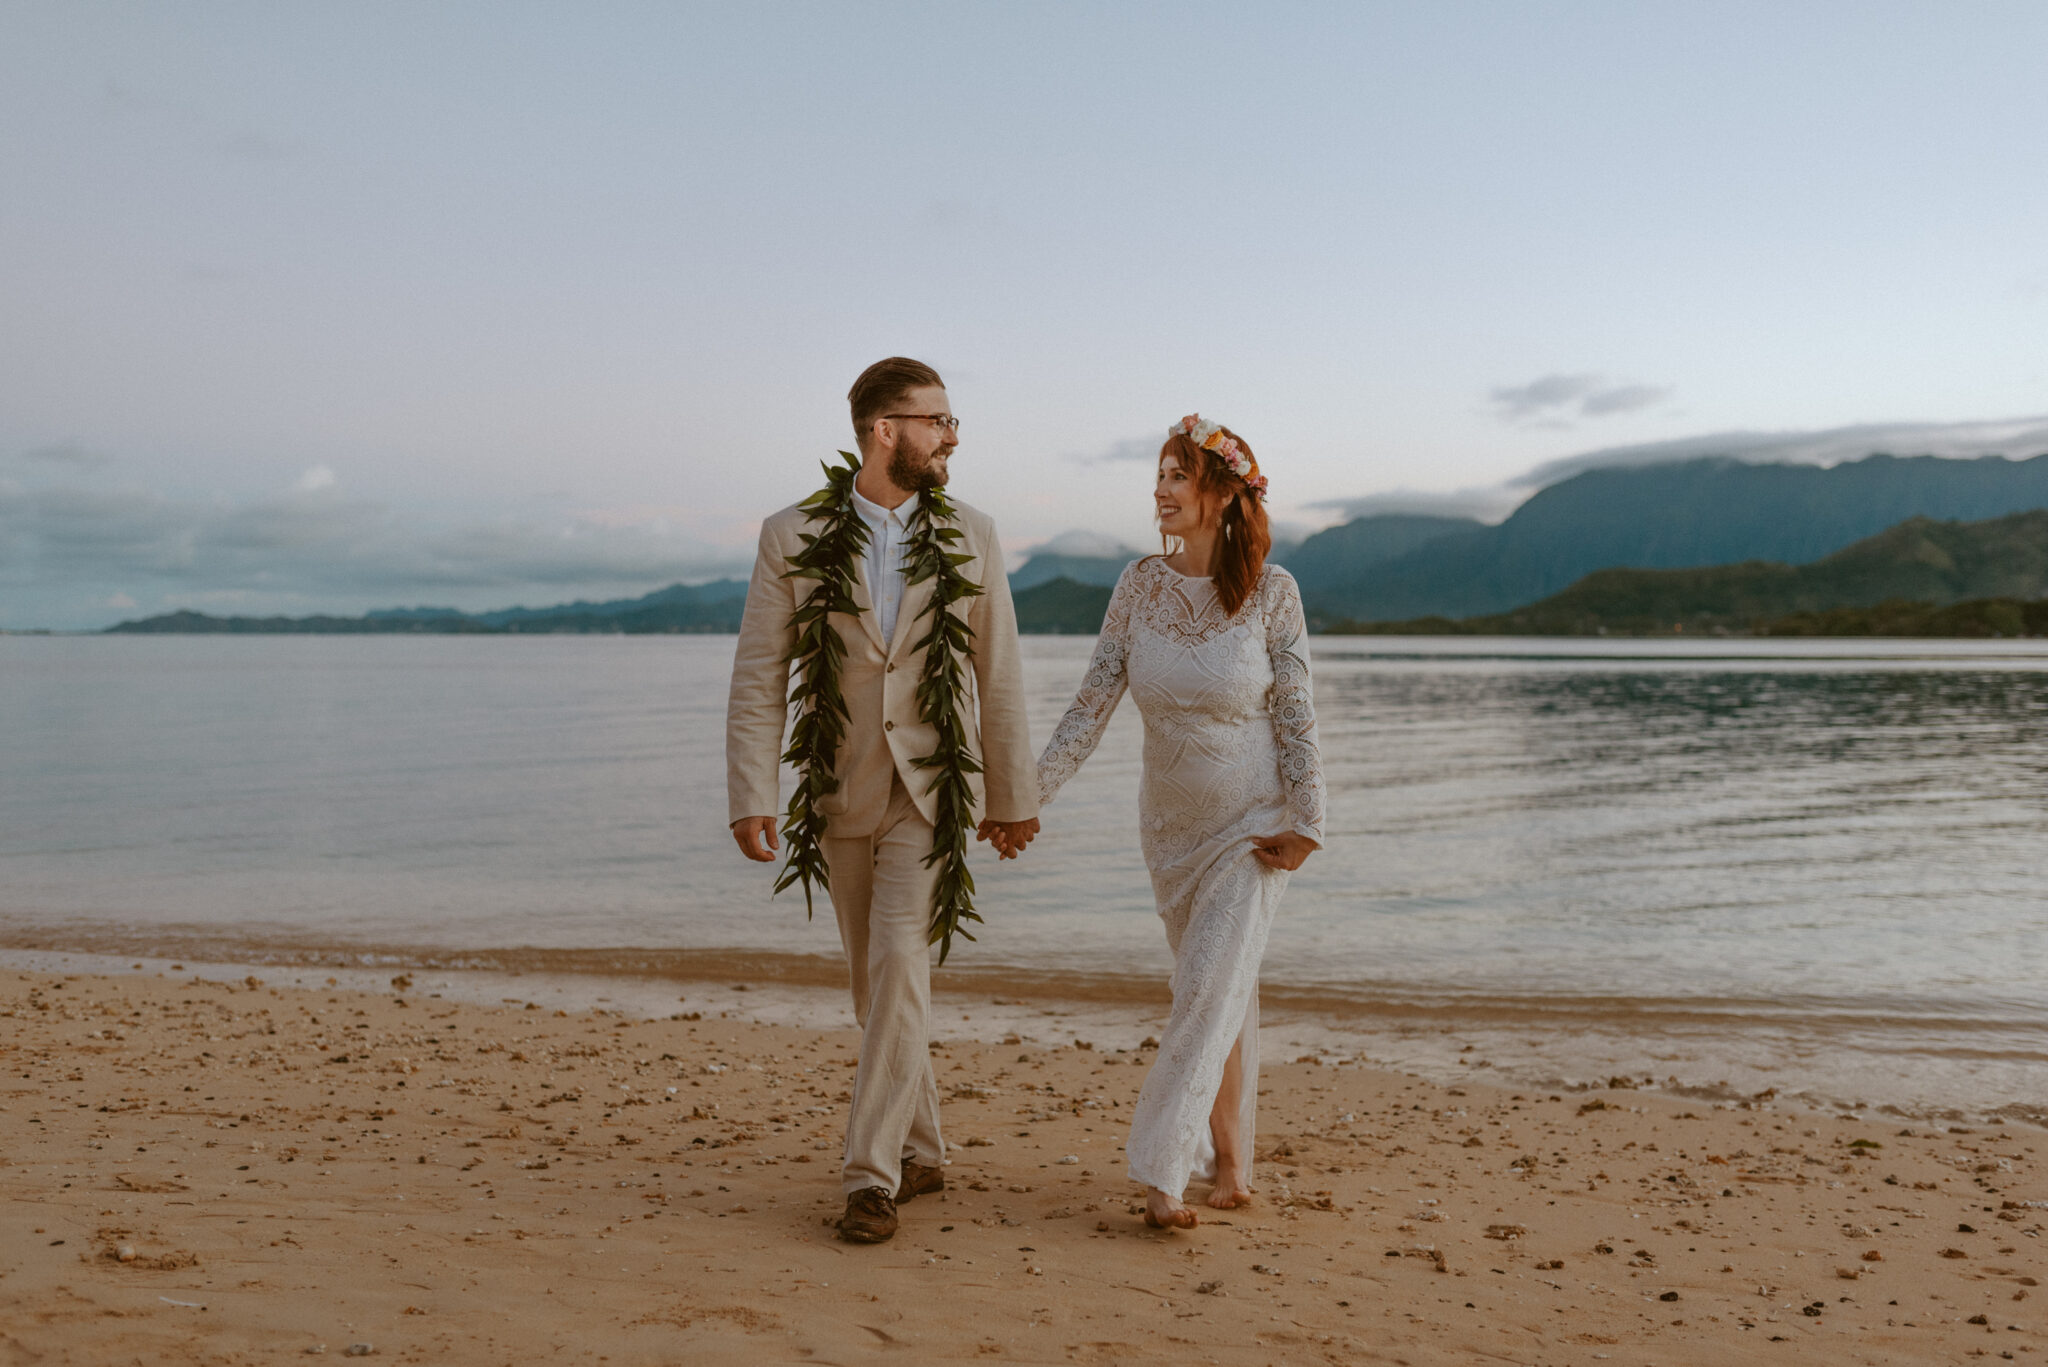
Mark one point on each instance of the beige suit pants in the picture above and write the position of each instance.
(882, 893)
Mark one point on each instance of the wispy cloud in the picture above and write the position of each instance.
(2018, 438)
(1489, 503)
(1128, 449)
(65, 547)
(1622, 398)
(67, 453)
(2015, 437)
(1555, 400)
(1085, 543)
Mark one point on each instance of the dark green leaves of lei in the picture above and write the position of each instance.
(819, 656)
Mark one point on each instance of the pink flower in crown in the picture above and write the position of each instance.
(1210, 436)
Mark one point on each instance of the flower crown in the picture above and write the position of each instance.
(1210, 436)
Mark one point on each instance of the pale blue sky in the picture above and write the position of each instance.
(330, 306)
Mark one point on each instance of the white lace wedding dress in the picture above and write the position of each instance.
(1230, 754)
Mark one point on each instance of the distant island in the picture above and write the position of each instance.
(680, 608)
(1885, 545)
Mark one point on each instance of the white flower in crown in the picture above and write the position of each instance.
(1210, 436)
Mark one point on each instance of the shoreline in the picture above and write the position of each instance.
(202, 1169)
(1852, 1063)
(1994, 644)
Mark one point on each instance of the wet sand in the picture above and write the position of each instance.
(207, 1171)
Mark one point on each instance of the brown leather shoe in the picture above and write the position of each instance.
(918, 1180)
(870, 1217)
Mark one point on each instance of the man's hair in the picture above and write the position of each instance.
(881, 387)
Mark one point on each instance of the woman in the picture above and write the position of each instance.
(1211, 642)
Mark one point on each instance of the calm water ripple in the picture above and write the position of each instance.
(1607, 834)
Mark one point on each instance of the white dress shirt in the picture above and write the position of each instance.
(887, 530)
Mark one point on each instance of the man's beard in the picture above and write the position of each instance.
(916, 472)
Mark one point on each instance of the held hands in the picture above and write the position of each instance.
(1008, 837)
(1286, 850)
(749, 831)
(757, 839)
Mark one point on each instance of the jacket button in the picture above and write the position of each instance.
(890, 670)
(888, 726)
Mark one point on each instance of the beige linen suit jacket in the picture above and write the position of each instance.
(883, 735)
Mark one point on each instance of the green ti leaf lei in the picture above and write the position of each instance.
(819, 655)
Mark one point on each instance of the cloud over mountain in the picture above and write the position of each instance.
(66, 453)
(2018, 438)
(2015, 437)
(1488, 503)
(1553, 400)
(67, 552)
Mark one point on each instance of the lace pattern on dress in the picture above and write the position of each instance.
(1230, 755)
(1102, 688)
(1293, 708)
(1187, 614)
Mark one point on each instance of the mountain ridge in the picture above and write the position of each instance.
(1712, 511)
(1919, 563)
(1677, 515)
(680, 608)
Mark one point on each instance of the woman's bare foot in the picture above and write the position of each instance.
(1163, 1212)
(1229, 1192)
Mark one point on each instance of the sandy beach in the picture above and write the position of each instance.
(225, 1171)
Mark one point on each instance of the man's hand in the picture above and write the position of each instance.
(1286, 850)
(1008, 837)
(749, 831)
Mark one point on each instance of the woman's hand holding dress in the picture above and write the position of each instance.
(1286, 850)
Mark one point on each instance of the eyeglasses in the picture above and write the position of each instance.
(946, 421)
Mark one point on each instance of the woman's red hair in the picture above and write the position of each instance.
(1242, 534)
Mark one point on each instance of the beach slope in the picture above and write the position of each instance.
(200, 1171)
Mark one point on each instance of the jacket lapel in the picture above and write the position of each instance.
(916, 598)
(866, 602)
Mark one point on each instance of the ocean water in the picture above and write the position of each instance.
(1722, 866)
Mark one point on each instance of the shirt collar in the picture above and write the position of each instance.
(874, 514)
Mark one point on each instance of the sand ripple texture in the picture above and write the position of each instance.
(223, 1171)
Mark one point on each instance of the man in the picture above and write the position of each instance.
(879, 822)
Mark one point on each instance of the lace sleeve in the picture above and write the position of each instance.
(1074, 739)
(1293, 707)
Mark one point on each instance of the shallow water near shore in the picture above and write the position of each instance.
(1727, 866)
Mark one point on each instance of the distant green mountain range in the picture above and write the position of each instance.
(1044, 567)
(1683, 515)
(1337, 560)
(1062, 607)
(1912, 579)
(1980, 617)
(713, 607)
(1712, 514)
(1050, 562)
